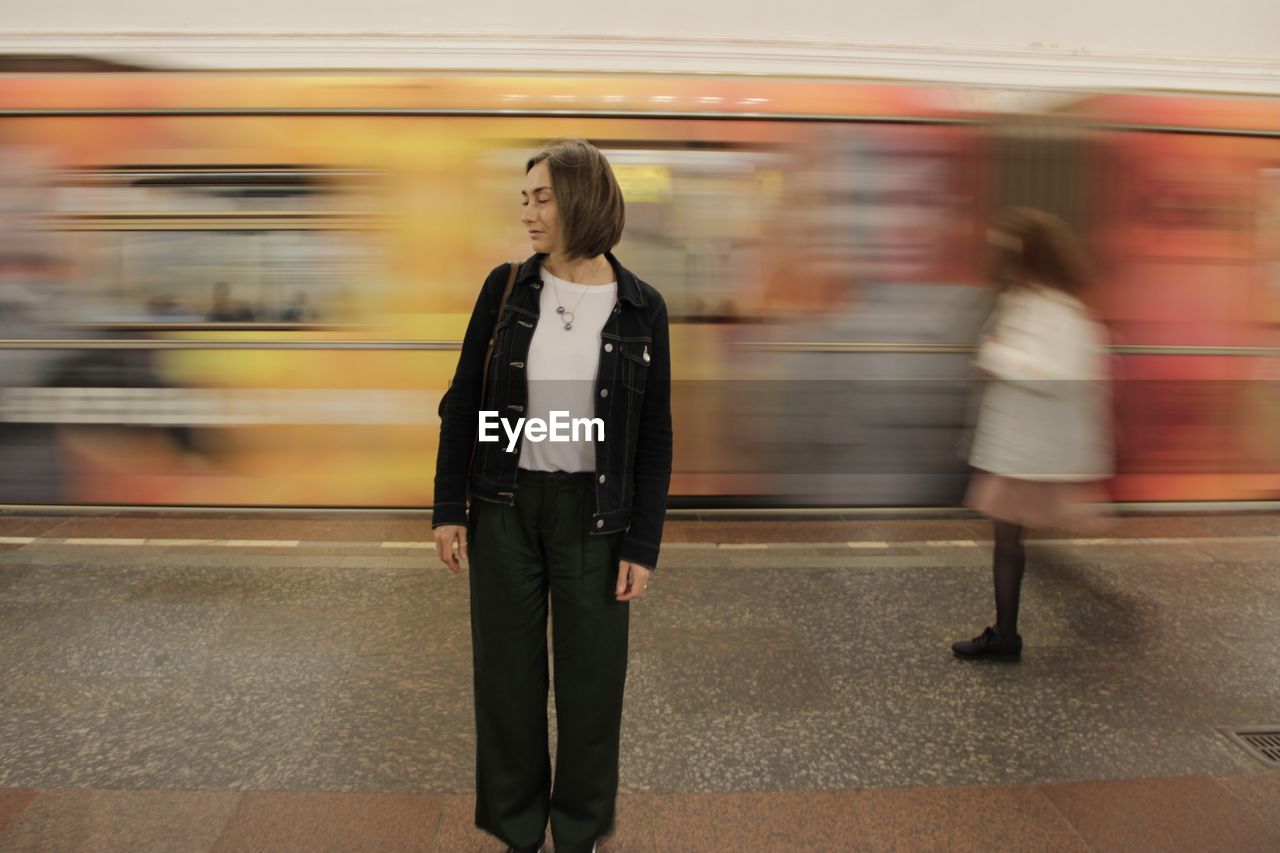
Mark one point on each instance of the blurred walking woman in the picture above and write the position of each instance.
(573, 332)
(1043, 440)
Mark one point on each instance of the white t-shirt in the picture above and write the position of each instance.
(561, 370)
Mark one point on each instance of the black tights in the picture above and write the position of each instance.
(1010, 561)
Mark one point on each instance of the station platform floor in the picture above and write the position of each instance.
(197, 681)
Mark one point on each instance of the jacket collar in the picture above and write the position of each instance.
(628, 284)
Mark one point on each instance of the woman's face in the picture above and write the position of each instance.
(540, 217)
(1003, 251)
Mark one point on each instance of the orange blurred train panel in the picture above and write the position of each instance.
(1183, 247)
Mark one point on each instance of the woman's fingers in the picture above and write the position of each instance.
(632, 580)
(639, 580)
(446, 535)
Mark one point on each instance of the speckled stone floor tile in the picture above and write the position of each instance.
(765, 669)
(1192, 814)
(51, 727)
(332, 823)
(97, 821)
(45, 721)
(79, 581)
(266, 665)
(182, 583)
(221, 737)
(332, 628)
(21, 626)
(96, 639)
(399, 722)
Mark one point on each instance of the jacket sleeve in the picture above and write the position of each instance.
(643, 538)
(458, 411)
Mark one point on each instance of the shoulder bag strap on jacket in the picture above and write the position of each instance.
(488, 356)
(493, 333)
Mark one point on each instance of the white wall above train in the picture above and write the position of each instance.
(1091, 44)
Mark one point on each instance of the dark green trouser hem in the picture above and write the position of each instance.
(519, 556)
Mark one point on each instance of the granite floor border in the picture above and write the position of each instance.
(1207, 812)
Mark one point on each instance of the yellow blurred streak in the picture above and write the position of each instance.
(643, 183)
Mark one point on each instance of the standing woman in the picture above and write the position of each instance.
(568, 331)
(1042, 446)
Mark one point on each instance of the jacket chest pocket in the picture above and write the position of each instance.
(635, 365)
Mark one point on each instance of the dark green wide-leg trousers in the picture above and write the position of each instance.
(519, 555)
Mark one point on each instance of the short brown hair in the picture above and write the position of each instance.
(1043, 249)
(589, 200)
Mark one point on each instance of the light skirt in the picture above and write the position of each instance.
(1075, 506)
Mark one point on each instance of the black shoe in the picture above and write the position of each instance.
(537, 848)
(989, 644)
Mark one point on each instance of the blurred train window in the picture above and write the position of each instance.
(278, 245)
(212, 189)
(695, 220)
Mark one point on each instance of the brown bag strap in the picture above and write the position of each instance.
(488, 357)
(493, 334)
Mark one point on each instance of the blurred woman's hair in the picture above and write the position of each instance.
(1034, 246)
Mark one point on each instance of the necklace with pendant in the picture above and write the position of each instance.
(566, 317)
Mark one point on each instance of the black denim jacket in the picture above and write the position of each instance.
(633, 398)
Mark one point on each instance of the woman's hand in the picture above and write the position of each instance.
(447, 535)
(632, 579)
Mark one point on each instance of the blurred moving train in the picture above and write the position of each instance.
(249, 289)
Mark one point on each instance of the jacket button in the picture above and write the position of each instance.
(602, 478)
(608, 347)
(604, 392)
(599, 523)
